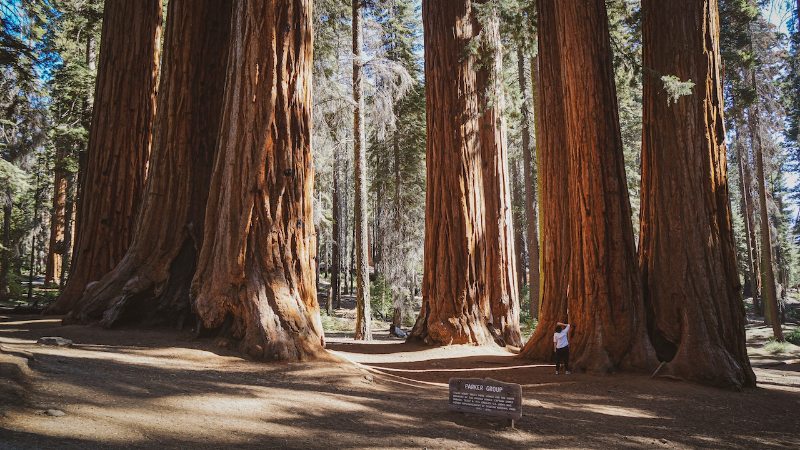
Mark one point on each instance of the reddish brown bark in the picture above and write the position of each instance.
(604, 289)
(455, 307)
(255, 274)
(501, 270)
(119, 143)
(687, 253)
(152, 281)
(553, 170)
(55, 249)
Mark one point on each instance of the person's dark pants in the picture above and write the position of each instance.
(562, 357)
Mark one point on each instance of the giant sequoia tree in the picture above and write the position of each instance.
(250, 231)
(602, 284)
(119, 142)
(455, 306)
(687, 252)
(501, 273)
(255, 274)
(156, 271)
(553, 171)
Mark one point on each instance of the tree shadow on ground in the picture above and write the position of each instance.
(129, 389)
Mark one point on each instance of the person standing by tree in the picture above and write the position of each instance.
(561, 347)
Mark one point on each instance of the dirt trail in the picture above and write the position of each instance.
(162, 388)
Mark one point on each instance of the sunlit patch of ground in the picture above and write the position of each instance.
(161, 388)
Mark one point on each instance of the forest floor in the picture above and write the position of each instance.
(162, 388)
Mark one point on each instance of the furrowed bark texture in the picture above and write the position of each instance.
(363, 314)
(119, 143)
(605, 298)
(501, 273)
(255, 273)
(455, 305)
(152, 281)
(554, 178)
(687, 253)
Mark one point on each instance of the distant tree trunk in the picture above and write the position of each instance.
(360, 221)
(687, 253)
(745, 185)
(397, 297)
(69, 228)
(55, 248)
(5, 249)
(119, 143)
(255, 278)
(553, 187)
(768, 288)
(604, 289)
(501, 267)
(455, 306)
(518, 215)
(152, 281)
(338, 235)
(350, 236)
(530, 188)
(73, 179)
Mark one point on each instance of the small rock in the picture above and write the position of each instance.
(368, 378)
(54, 341)
(55, 413)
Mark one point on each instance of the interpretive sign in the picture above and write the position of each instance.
(486, 396)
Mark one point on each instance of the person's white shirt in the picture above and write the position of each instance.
(560, 339)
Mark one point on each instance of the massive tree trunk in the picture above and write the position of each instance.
(363, 315)
(552, 168)
(604, 289)
(687, 253)
(530, 186)
(119, 142)
(152, 281)
(254, 276)
(501, 270)
(455, 307)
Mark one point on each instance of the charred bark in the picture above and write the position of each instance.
(687, 253)
(119, 143)
(254, 275)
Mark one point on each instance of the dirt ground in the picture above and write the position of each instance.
(138, 388)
